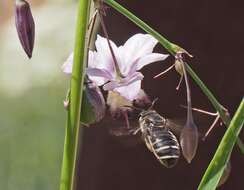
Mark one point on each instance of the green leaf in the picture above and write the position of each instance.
(216, 167)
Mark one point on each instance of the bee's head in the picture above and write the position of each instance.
(148, 116)
(146, 113)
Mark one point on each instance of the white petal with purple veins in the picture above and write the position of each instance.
(135, 47)
(150, 58)
(123, 82)
(103, 59)
(98, 76)
(131, 91)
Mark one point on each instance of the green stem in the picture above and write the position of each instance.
(77, 80)
(216, 167)
(173, 49)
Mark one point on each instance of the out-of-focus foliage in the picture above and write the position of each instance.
(32, 118)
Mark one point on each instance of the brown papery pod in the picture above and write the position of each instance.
(189, 141)
(189, 134)
(25, 26)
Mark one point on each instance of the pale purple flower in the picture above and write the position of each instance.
(131, 57)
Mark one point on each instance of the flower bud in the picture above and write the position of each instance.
(93, 104)
(179, 67)
(25, 26)
(189, 141)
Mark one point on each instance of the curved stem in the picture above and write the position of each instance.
(188, 90)
(77, 80)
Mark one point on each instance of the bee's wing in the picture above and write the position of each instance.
(175, 125)
(121, 129)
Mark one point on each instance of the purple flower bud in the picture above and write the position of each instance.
(25, 26)
(93, 104)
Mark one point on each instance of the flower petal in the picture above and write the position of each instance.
(134, 48)
(98, 76)
(150, 58)
(123, 82)
(103, 58)
(68, 64)
(131, 91)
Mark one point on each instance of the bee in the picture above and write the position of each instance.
(158, 138)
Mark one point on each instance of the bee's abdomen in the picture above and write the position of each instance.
(165, 146)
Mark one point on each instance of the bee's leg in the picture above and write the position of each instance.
(135, 131)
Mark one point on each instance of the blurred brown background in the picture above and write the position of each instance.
(213, 32)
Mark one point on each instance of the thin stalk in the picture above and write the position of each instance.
(173, 49)
(73, 119)
(104, 28)
(216, 167)
(189, 105)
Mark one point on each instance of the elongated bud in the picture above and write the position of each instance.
(93, 104)
(25, 26)
(179, 67)
(189, 141)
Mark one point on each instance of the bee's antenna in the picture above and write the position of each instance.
(153, 102)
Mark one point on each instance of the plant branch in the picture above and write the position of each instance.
(77, 80)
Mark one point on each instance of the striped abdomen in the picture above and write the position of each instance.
(164, 145)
